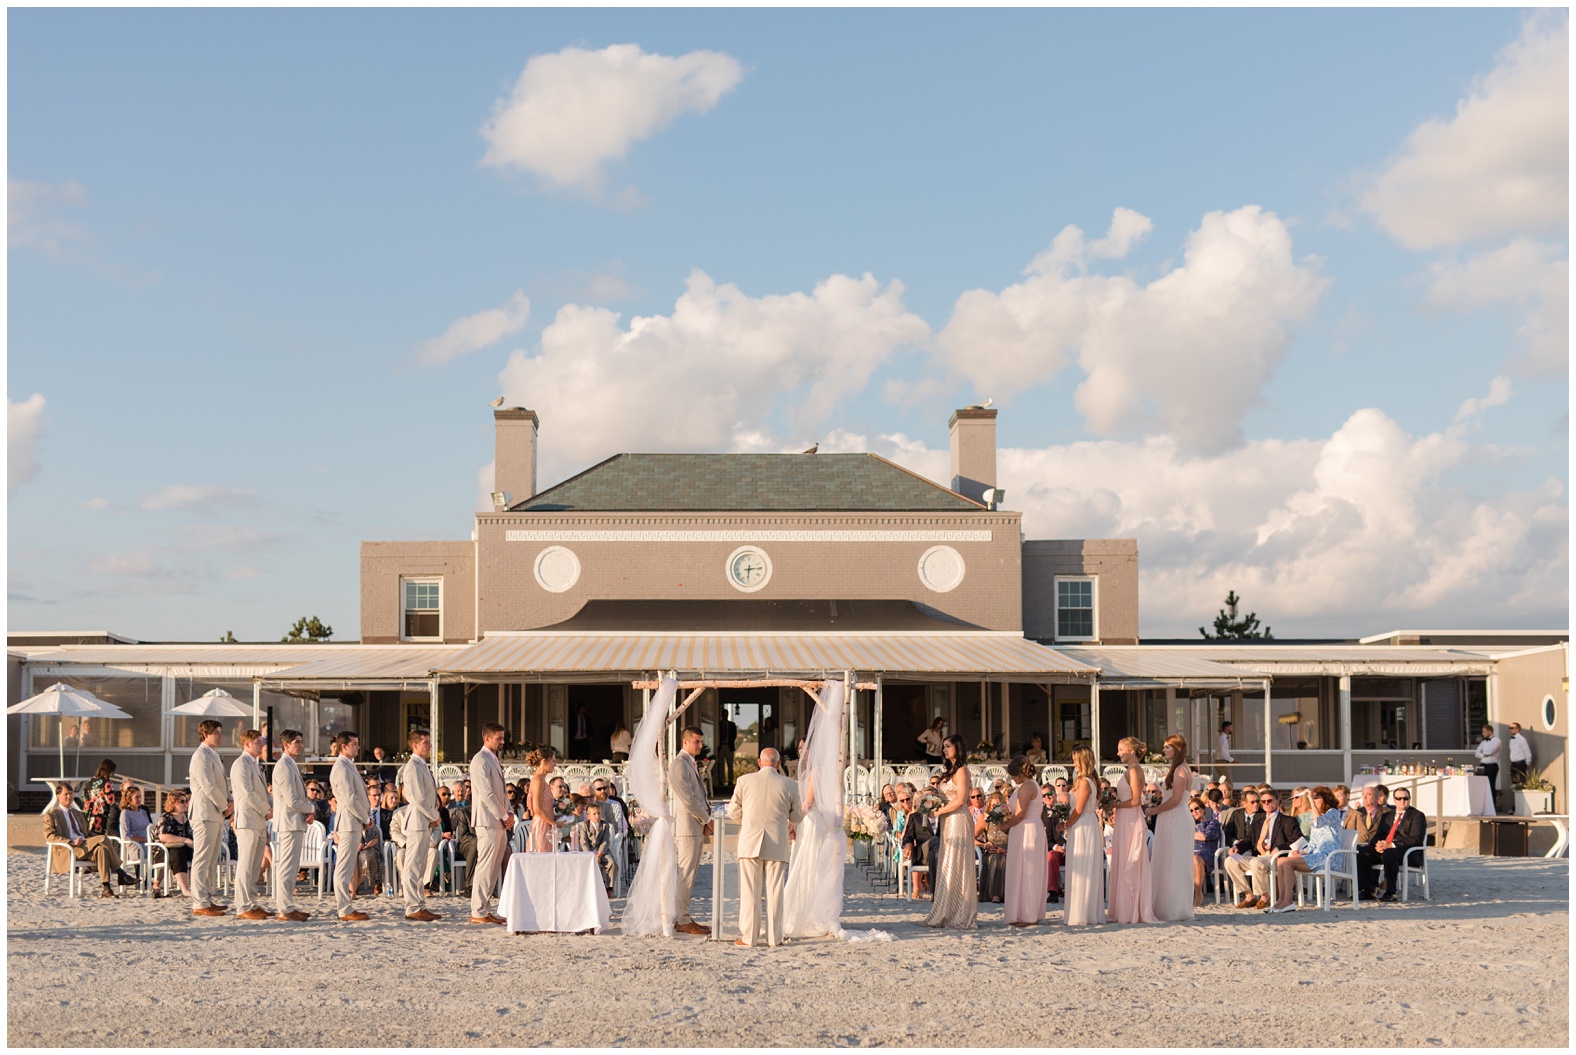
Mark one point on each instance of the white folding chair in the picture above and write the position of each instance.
(1050, 773)
(1408, 869)
(452, 863)
(1222, 877)
(919, 776)
(314, 854)
(75, 867)
(1322, 880)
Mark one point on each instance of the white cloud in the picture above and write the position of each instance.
(1471, 410)
(1188, 353)
(1523, 273)
(573, 111)
(140, 563)
(721, 362)
(1501, 165)
(96, 503)
(474, 332)
(24, 427)
(38, 216)
(1357, 531)
(194, 496)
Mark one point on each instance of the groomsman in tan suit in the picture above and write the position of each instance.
(350, 796)
(691, 822)
(492, 820)
(764, 804)
(417, 821)
(293, 811)
(210, 807)
(252, 807)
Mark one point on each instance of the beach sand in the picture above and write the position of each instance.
(1486, 962)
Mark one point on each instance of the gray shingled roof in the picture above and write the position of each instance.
(747, 482)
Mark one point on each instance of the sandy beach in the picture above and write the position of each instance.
(1485, 963)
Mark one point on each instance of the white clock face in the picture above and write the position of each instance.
(748, 569)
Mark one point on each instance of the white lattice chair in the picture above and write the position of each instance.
(919, 776)
(314, 853)
(449, 773)
(1408, 869)
(1050, 773)
(1322, 880)
(516, 773)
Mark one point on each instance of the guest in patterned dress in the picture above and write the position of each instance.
(990, 838)
(1206, 840)
(1324, 840)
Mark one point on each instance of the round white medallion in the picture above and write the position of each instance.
(748, 569)
(941, 568)
(557, 569)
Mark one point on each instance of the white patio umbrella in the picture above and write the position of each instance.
(215, 703)
(62, 700)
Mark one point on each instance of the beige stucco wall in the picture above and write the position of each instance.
(384, 563)
(1113, 562)
(1519, 685)
(830, 567)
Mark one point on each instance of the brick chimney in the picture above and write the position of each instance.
(514, 452)
(973, 451)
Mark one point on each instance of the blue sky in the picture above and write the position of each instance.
(266, 270)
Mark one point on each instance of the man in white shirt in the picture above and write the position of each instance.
(293, 812)
(416, 823)
(1488, 757)
(492, 820)
(350, 819)
(253, 806)
(210, 807)
(1223, 744)
(1520, 755)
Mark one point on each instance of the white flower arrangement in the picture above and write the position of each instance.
(864, 822)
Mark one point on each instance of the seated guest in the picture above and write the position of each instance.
(1034, 754)
(1368, 819)
(67, 824)
(369, 863)
(1206, 840)
(382, 771)
(594, 840)
(1272, 830)
(314, 794)
(175, 833)
(383, 813)
(1343, 795)
(1213, 803)
(132, 826)
(1055, 840)
(99, 798)
(921, 840)
(445, 834)
(1405, 829)
(1326, 839)
(1302, 809)
(464, 834)
(614, 814)
(888, 803)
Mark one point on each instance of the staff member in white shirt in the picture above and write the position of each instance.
(1223, 744)
(1488, 757)
(1520, 755)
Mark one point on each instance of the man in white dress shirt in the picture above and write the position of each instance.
(417, 820)
(691, 823)
(1520, 756)
(354, 809)
(210, 807)
(1223, 744)
(293, 813)
(492, 820)
(1488, 757)
(252, 808)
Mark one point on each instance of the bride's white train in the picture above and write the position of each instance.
(813, 902)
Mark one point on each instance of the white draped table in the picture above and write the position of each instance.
(1458, 795)
(554, 892)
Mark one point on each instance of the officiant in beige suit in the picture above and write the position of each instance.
(764, 804)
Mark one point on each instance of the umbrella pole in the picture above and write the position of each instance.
(60, 740)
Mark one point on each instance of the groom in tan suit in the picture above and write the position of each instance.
(764, 804)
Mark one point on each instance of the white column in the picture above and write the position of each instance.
(1269, 732)
(434, 719)
(879, 723)
(1094, 719)
(1346, 724)
(257, 709)
(1006, 719)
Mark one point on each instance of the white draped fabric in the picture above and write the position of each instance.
(652, 905)
(813, 903)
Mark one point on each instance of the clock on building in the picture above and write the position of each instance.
(748, 569)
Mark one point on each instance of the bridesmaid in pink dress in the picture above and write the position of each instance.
(544, 825)
(1132, 895)
(1026, 850)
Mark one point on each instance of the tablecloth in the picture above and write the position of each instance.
(1464, 795)
(554, 892)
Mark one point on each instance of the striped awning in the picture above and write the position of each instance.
(374, 667)
(978, 654)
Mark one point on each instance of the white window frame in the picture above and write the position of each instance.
(1094, 609)
(403, 580)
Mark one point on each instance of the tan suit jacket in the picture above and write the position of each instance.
(251, 794)
(292, 809)
(691, 808)
(210, 797)
(421, 794)
(489, 796)
(56, 830)
(764, 803)
(350, 793)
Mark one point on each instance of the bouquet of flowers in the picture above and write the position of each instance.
(983, 750)
(995, 815)
(641, 823)
(864, 822)
(931, 800)
(1108, 799)
(1061, 811)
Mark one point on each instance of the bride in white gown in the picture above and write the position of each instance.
(813, 902)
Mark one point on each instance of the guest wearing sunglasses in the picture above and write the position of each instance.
(1271, 830)
(1206, 840)
(1403, 832)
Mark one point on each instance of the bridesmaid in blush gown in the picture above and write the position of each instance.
(1084, 874)
(1171, 853)
(1027, 859)
(1132, 895)
(544, 825)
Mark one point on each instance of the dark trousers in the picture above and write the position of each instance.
(1519, 772)
(1491, 770)
(1390, 860)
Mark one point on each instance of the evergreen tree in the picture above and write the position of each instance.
(308, 631)
(1228, 627)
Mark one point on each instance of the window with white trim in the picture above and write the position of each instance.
(1075, 608)
(421, 609)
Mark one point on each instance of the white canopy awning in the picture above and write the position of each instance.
(1138, 667)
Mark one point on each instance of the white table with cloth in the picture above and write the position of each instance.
(554, 892)
(1458, 795)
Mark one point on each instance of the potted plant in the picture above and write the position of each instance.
(1534, 795)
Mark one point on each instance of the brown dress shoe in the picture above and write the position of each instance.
(741, 943)
(1262, 902)
(692, 928)
(211, 910)
(481, 919)
(354, 917)
(108, 891)
(423, 916)
(1245, 902)
(491, 918)
(252, 913)
(295, 915)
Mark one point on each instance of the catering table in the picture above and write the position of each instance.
(1458, 795)
(554, 892)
